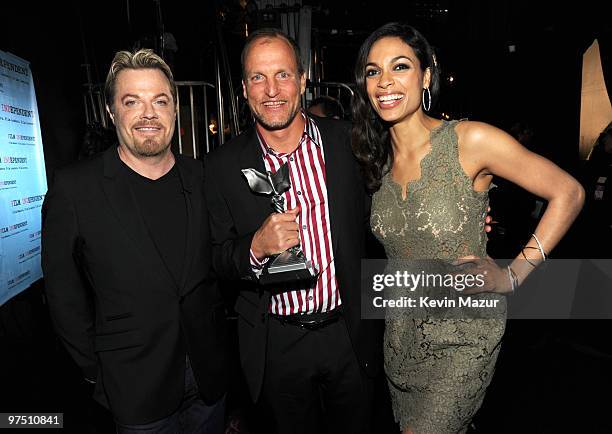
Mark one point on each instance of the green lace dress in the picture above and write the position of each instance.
(438, 368)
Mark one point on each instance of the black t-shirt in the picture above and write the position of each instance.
(164, 210)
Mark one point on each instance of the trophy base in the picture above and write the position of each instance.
(286, 268)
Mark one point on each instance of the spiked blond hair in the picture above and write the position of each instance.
(142, 59)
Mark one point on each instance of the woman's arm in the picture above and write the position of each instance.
(485, 150)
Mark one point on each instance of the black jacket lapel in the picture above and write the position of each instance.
(251, 157)
(193, 206)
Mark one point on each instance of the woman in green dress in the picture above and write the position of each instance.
(429, 180)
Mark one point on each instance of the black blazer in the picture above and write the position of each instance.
(123, 318)
(235, 215)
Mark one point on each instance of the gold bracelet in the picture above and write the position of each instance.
(527, 259)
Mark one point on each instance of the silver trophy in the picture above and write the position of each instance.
(291, 265)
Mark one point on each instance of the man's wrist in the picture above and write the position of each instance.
(256, 253)
(256, 261)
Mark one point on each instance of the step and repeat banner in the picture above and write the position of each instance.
(23, 181)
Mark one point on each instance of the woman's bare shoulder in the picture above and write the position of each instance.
(474, 132)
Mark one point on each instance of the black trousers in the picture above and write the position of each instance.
(193, 416)
(313, 382)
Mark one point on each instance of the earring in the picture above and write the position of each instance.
(427, 106)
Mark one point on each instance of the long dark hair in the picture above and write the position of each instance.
(371, 143)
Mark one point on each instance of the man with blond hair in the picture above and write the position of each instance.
(126, 265)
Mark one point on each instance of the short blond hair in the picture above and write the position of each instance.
(144, 58)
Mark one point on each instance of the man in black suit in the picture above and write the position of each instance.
(303, 348)
(126, 261)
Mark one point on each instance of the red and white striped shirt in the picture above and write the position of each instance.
(309, 192)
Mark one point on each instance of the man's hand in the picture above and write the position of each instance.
(277, 233)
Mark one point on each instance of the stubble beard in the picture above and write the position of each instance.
(275, 126)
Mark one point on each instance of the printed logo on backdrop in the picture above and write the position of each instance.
(19, 69)
(15, 114)
(27, 203)
(14, 282)
(20, 139)
(8, 184)
(13, 160)
(33, 236)
(9, 164)
(16, 110)
(14, 229)
(28, 254)
(23, 183)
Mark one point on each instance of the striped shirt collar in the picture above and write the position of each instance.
(309, 134)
